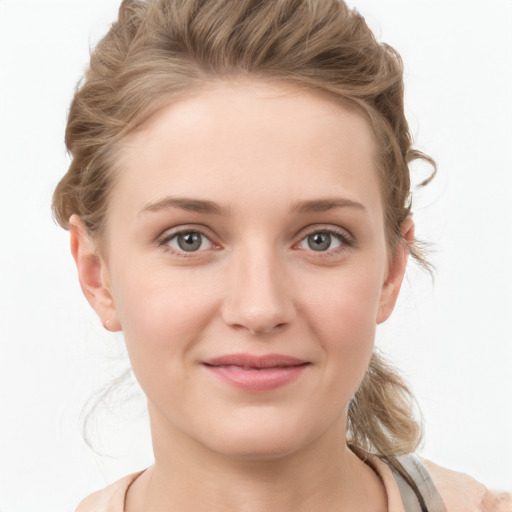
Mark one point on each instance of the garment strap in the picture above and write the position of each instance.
(418, 473)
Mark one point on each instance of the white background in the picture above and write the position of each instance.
(452, 338)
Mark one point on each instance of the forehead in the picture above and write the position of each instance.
(242, 140)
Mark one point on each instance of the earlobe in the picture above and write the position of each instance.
(396, 271)
(92, 274)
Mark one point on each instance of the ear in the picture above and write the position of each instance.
(396, 271)
(93, 274)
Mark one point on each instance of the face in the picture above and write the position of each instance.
(246, 265)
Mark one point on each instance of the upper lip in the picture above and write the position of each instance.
(254, 361)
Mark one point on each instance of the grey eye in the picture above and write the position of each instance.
(189, 241)
(321, 241)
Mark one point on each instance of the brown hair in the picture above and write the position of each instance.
(160, 50)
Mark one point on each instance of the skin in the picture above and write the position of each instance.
(255, 286)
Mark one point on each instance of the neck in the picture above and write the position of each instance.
(325, 476)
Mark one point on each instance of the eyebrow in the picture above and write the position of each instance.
(324, 205)
(209, 207)
(187, 204)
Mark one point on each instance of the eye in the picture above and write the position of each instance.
(188, 241)
(323, 241)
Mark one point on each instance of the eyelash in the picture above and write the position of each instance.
(164, 240)
(346, 241)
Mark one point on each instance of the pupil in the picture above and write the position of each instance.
(189, 241)
(319, 241)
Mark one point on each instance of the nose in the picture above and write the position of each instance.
(259, 297)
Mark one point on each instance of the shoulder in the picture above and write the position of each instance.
(110, 499)
(462, 493)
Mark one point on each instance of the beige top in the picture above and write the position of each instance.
(460, 492)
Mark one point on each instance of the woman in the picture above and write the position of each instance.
(238, 204)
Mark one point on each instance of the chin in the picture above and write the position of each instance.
(255, 448)
(260, 440)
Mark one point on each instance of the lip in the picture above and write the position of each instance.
(256, 373)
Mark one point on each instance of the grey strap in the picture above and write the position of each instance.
(421, 477)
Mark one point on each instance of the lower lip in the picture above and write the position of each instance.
(264, 379)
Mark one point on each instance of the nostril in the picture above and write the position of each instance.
(266, 330)
(258, 309)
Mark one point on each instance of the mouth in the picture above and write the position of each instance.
(256, 373)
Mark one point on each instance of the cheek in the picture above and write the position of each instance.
(162, 314)
(342, 316)
(345, 306)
